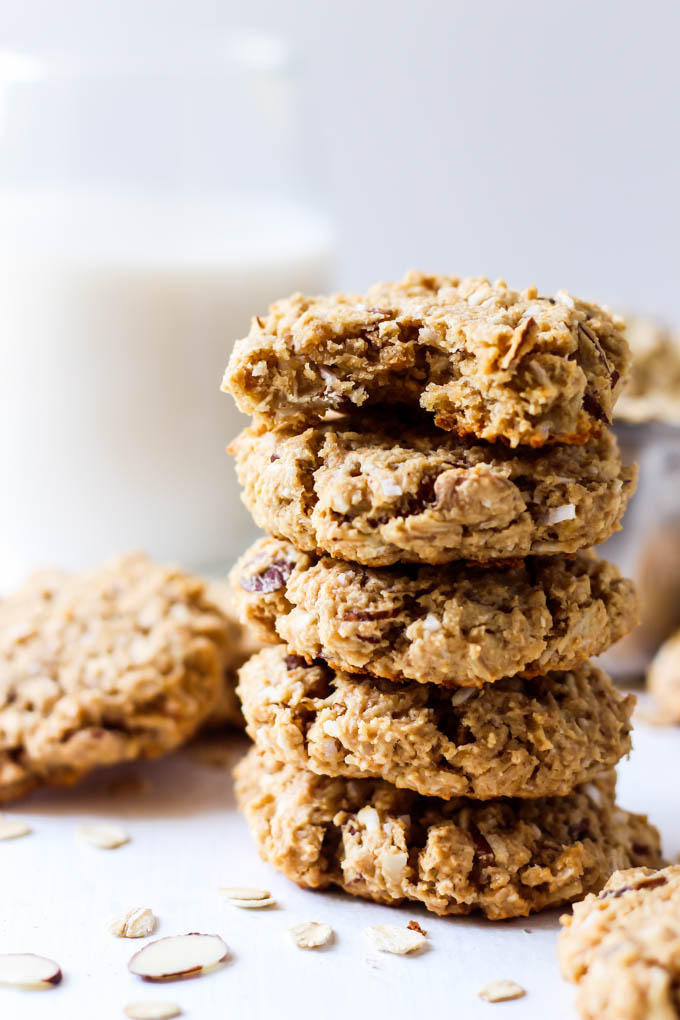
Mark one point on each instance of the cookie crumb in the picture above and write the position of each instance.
(501, 991)
(414, 926)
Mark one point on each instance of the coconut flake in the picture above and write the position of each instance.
(431, 623)
(565, 298)
(462, 695)
(566, 512)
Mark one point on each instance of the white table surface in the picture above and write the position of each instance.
(187, 840)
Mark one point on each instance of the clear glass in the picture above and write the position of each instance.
(150, 203)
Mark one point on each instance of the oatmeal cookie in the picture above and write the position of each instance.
(515, 738)
(379, 492)
(623, 947)
(457, 625)
(241, 642)
(504, 857)
(653, 391)
(663, 678)
(121, 662)
(483, 359)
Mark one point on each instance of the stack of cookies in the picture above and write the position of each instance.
(431, 465)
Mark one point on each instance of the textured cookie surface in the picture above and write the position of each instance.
(516, 738)
(121, 662)
(483, 359)
(623, 947)
(458, 625)
(505, 858)
(380, 492)
(663, 678)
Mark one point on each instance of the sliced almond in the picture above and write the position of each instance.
(501, 991)
(104, 835)
(253, 904)
(12, 828)
(133, 924)
(247, 898)
(178, 956)
(311, 934)
(152, 1010)
(25, 970)
(245, 892)
(389, 938)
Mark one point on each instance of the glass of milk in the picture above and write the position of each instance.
(150, 203)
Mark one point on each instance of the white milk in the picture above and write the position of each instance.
(116, 323)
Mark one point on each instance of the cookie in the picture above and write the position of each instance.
(515, 738)
(482, 359)
(379, 491)
(504, 857)
(241, 642)
(623, 947)
(652, 392)
(663, 678)
(457, 625)
(121, 662)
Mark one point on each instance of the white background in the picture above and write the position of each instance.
(187, 840)
(536, 141)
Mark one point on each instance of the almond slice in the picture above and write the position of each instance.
(245, 892)
(389, 938)
(26, 970)
(152, 1010)
(178, 956)
(311, 934)
(501, 991)
(12, 828)
(247, 898)
(253, 904)
(133, 924)
(104, 835)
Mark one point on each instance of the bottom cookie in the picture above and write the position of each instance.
(505, 858)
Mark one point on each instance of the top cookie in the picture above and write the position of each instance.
(487, 361)
(121, 662)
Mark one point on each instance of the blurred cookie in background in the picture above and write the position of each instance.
(652, 392)
(647, 425)
(122, 662)
(663, 679)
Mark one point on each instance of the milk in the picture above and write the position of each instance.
(117, 318)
